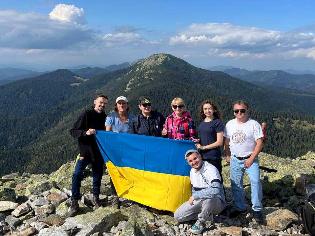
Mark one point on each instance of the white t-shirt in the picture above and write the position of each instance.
(209, 171)
(242, 136)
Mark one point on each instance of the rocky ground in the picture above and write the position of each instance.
(37, 204)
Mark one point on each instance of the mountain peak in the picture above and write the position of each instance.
(161, 59)
(147, 69)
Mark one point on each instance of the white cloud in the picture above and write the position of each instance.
(229, 40)
(35, 31)
(67, 13)
(122, 37)
(307, 53)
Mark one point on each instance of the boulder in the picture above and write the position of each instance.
(22, 209)
(13, 221)
(102, 219)
(56, 198)
(280, 219)
(45, 210)
(53, 220)
(7, 206)
(37, 187)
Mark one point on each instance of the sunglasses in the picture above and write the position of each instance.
(236, 111)
(146, 104)
(177, 106)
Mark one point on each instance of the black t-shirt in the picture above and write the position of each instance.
(207, 132)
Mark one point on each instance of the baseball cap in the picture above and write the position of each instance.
(121, 98)
(190, 151)
(144, 100)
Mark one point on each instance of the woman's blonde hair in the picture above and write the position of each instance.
(179, 101)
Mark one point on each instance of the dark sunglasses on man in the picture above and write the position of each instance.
(236, 111)
(146, 104)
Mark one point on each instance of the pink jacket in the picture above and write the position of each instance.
(180, 127)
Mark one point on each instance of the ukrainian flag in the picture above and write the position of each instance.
(148, 170)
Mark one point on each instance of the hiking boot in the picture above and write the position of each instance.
(74, 208)
(96, 201)
(236, 212)
(258, 217)
(198, 227)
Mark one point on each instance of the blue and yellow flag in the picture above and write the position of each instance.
(148, 170)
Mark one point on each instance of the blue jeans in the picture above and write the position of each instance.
(97, 171)
(237, 172)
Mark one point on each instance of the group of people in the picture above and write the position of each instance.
(242, 138)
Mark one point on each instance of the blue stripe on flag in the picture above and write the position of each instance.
(147, 153)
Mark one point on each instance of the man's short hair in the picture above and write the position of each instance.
(189, 152)
(241, 102)
(100, 95)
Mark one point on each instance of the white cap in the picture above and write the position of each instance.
(121, 98)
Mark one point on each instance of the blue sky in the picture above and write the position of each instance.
(48, 34)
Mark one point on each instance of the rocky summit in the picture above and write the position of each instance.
(38, 204)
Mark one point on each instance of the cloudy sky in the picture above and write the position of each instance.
(49, 34)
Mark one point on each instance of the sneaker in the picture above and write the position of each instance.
(198, 227)
(96, 201)
(234, 212)
(258, 217)
(74, 208)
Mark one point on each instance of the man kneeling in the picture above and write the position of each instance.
(207, 193)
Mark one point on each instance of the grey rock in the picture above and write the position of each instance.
(38, 184)
(39, 225)
(21, 210)
(27, 216)
(2, 217)
(131, 229)
(7, 206)
(45, 210)
(57, 197)
(121, 225)
(25, 232)
(53, 220)
(103, 218)
(53, 231)
(167, 230)
(41, 201)
(13, 221)
(11, 176)
(138, 214)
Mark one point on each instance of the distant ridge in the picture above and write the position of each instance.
(8, 75)
(275, 79)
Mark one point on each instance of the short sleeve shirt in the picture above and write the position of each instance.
(117, 125)
(243, 136)
(207, 132)
(203, 177)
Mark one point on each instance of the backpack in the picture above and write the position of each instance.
(308, 210)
